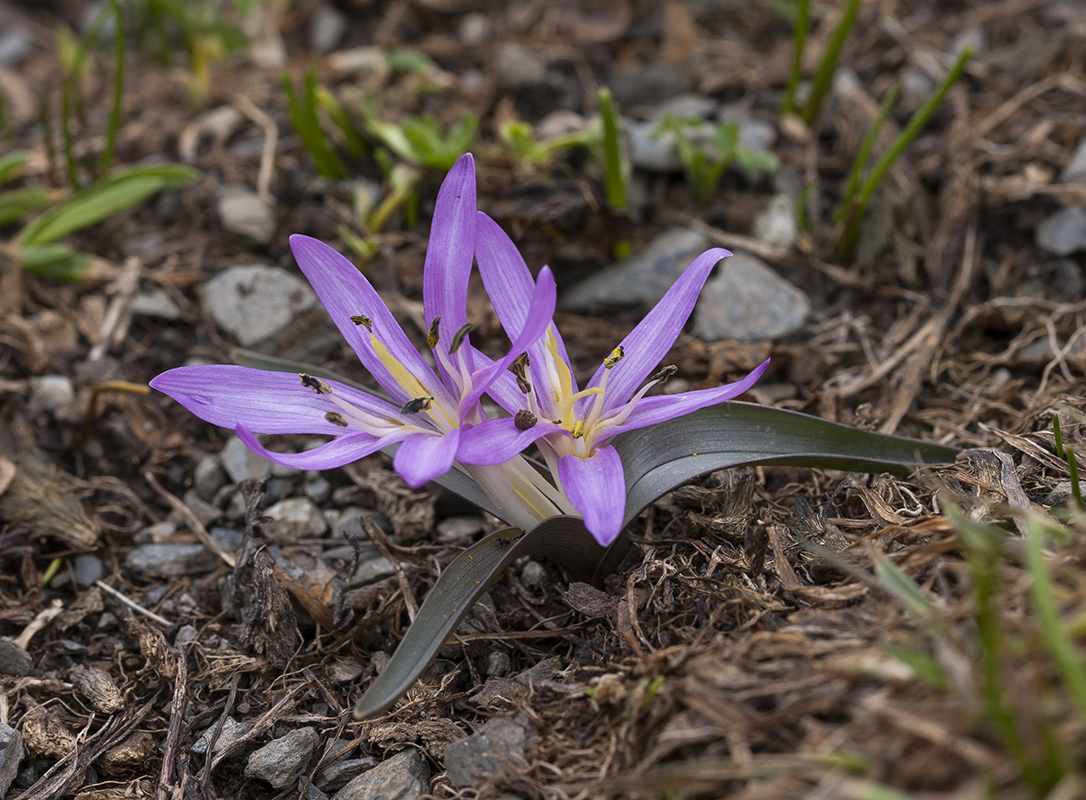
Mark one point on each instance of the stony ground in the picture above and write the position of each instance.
(180, 619)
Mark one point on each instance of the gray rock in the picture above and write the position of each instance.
(405, 776)
(200, 508)
(641, 279)
(227, 538)
(208, 477)
(241, 463)
(170, 560)
(474, 29)
(371, 570)
(776, 224)
(11, 755)
(156, 303)
(337, 775)
(518, 66)
(15, 45)
(754, 134)
(349, 523)
(253, 301)
(281, 761)
(532, 574)
(157, 533)
(318, 488)
(1075, 171)
(232, 730)
(326, 28)
(88, 568)
(244, 212)
(1064, 232)
(309, 791)
(186, 634)
(652, 151)
(344, 670)
(14, 660)
(746, 300)
(452, 529)
(498, 663)
(1067, 281)
(972, 36)
(496, 748)
(50, 393)
(295, 518)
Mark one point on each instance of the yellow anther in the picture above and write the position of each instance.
(417, 404)
(431, 335)
(665, 373)
(335, 418)
(614, 358)
(362, 319)
(458, 337)
(578, 429)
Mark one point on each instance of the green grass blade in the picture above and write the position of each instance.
(56, 261)
(103, 199)
(10, 164)
(303, 115)
(799, 43)
(828, 66)
(18, 203)
(849, 196)
(118, 89)
(612, 152)
(905, 590)
(67, 139)
(1053, 631)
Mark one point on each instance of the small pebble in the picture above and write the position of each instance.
(170, 560)
(232, 730)
(244, 212)
(404, 776)
(50, 393)
(532, 574)
(282, 760)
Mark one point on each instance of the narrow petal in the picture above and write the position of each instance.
(344, 450)
(654, 336)
(425, 456)
(539, 317)
(506, 277)
(660, 408)
(498, 440)
(263, 401)
(597, 488)
(345, 293)
(451, 248)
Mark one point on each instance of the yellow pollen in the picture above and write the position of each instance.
(578, 429)
(614, 358)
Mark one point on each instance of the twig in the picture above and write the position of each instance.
(44, 617)
(271, 142)
(173, 731)
(126, 284)
(380, 541)
(151, 615)
(194, 523)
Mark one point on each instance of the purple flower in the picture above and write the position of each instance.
(572, 426)
(433, 413)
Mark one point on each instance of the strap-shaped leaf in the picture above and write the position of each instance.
(103, 199)
(661, 457)
(561, 539)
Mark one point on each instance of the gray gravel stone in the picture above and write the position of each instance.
(50, 393)
(496, 748)
(641, 279)
(474, 28)
(532, 574)
(498, 663)
(453, 528)
(244, 212)
(1075, 171)
(318, 488)
(253, 301)
(746, 300)
(88, 568)
(200, 508)
(776, 225)
(232, 730)
(371, 570)
(405, 776)
(15, 45)
(186, 634)
(208, 477)
(170, 560)
(241, 463)
(11, 755)
(344, 670)
(295, 518)
(326, 28)
(156, 303)
(281, 761)
(14, 660)
(518, 66)
(337, 775)
(1064, 232)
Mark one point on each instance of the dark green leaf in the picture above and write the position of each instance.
(660, 457)
(562, 539)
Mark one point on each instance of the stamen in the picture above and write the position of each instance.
(431, 335)
(335, 418)
(362, 319)
(616, 356)
(525, 420)
(519, 368)
(578, 429)
(665, 373)
(317, 385)
(458, 337)
(417, 404)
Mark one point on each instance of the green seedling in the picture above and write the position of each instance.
(799, 43)
(704, 165)
(828, 65)
(854, 204)
(614, 166)
(529, 152)
(421, 140)
(304, 117)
